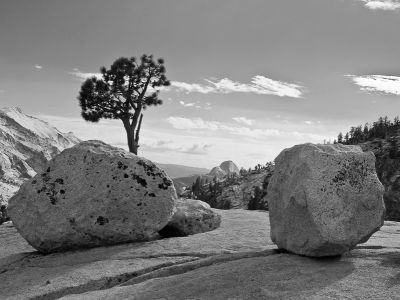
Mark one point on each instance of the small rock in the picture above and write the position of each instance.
(90, 195)
(8, 224)
(324, 199)
(191, 217)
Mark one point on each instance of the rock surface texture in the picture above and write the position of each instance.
(191, 217)
(26, 144)
(92, 194)
(235, 261)
(324, 199)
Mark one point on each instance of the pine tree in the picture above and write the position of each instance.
(340, 138)
(346, 138)
(123, 92)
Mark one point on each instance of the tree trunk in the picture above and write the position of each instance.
(130, 134)
(132, 145)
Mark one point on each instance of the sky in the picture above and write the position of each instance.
(249, 78)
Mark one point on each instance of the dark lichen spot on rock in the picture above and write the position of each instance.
(352, 173)
(108, 185)
(34, 181)
(59, 181)
(150, 169)
(101, 220)
(52, 199)
(165, 184)
(139, 180)
(71, 221)
(122, 166)
(139, 204)
(48, 170)
(126, 175)
(152, 195)
(62, 192)
(46, 177)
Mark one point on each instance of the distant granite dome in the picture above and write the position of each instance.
(229, 167)
(217, 172)
(26, 144)
(226, 168)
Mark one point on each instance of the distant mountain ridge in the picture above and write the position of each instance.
(26, 144)
(174, 170)
(225, 168)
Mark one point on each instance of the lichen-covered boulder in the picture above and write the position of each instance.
(324, 199)
(90, 195)
(191, 217)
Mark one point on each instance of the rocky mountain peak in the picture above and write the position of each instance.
(26, 144)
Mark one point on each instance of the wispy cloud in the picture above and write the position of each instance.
(378, 83)
(82, 76)
(38, 67)
(196, 123)
(243, 120)
(187, 104)
(258, 85)
(192, 87)
(162, 146)
(183, 123)
(381, 4)
(196, 104)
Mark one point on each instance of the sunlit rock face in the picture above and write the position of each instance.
(324, 199)
(90, 195)
(26, 144)
(191, 217)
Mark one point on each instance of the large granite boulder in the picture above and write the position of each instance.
(324, 199)
(191, 217)
(90, 195)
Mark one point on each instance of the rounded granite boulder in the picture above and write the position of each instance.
(90, 195)
(191, 217)
(324, 199)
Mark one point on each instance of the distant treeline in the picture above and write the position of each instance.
(383, 129)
